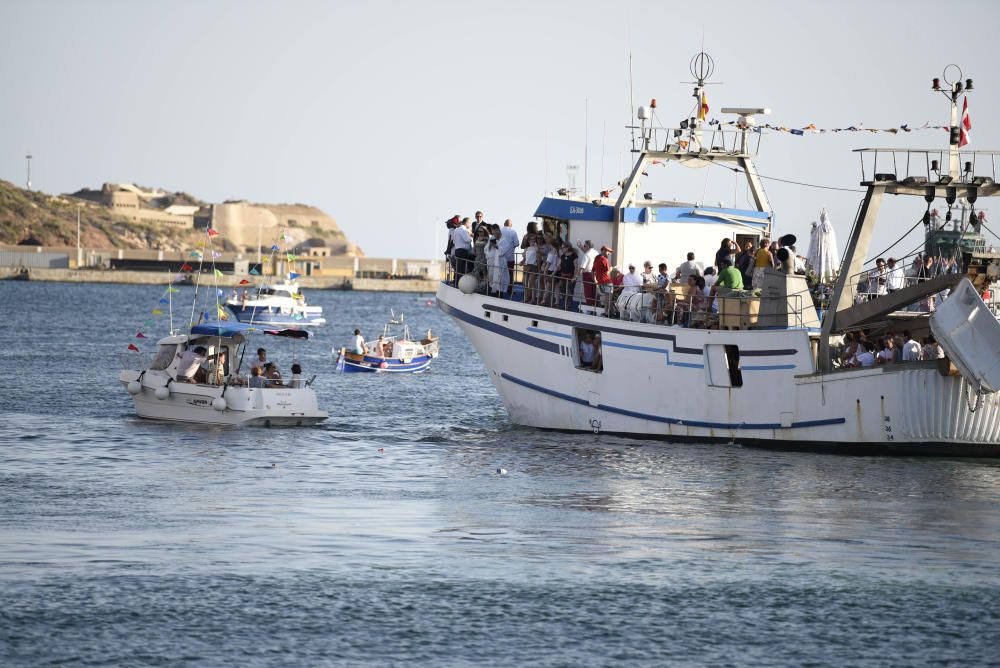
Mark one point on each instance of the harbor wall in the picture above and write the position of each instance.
(155, 278)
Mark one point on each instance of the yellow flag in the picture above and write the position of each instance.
(157, 311)
(703, 108)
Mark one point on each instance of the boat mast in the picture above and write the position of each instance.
(952, 186)
(676, 148)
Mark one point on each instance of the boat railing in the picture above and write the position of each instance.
(872, 284)
(664, 302)
(692, 141)
(927, 166)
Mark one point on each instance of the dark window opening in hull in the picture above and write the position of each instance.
(588, 352)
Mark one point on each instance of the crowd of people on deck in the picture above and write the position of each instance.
(889, 275)
(195, 365)
(860, 351)
(558, 273)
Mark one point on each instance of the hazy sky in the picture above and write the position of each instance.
(392, 116)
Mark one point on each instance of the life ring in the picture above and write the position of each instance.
(383, 365)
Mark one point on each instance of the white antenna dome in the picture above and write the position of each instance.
(643, 113)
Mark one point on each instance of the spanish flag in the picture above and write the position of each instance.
(703, 109)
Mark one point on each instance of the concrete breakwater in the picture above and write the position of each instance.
(227, 281)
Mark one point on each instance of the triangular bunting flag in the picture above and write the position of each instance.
(292, 275)
(164, 300)
(140, 335)
(275, 248)
(157, 311)
(244, 282)
(218, 273)
(133, 347)
(172, 290)
(212, 232)
(186, 267)
(292, 258)
(254, 272)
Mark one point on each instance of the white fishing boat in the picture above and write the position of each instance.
(764, 370)
(280, 304)
(219, 389)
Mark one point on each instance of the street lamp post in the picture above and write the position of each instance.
(79, 255)
(28, 159)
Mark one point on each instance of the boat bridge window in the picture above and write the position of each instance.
(722, 366)
(587, 353)
(164, 356)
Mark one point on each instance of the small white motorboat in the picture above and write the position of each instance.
(216, 392)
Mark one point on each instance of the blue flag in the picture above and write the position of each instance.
(292, 275)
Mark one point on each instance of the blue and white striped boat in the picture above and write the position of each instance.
(391, 354)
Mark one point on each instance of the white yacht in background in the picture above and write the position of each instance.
(770, 374)
(280, 304)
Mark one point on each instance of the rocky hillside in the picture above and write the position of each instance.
(38, 218)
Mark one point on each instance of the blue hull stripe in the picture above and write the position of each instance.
(669, 420)
(548, 346)
(500, 307)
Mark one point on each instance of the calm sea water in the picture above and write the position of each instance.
(387, 536)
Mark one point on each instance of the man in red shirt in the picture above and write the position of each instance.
(602, 275)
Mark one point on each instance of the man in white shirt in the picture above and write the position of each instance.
(689, 268)
(911, 349)
(508, 244)
(189, 364)
(261, 359)
(461, 240)
(631, 282)
(587, 271)
(895, 279)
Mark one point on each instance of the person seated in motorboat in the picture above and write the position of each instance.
(272, 375)
(256, 379)
(296, 382)
(190, 364)
(261, 359)
(215, 369)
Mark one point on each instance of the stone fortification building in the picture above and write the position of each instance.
(248, 225)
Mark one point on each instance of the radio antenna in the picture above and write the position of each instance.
(631, 98)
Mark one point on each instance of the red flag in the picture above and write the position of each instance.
(965, 133)
(186, 267)
(244, 282)
(132, 347)
(212, 232)
(140, 335)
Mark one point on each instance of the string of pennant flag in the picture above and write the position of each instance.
(813, 129)
(199, 255)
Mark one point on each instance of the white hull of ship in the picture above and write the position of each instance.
(656, 383)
